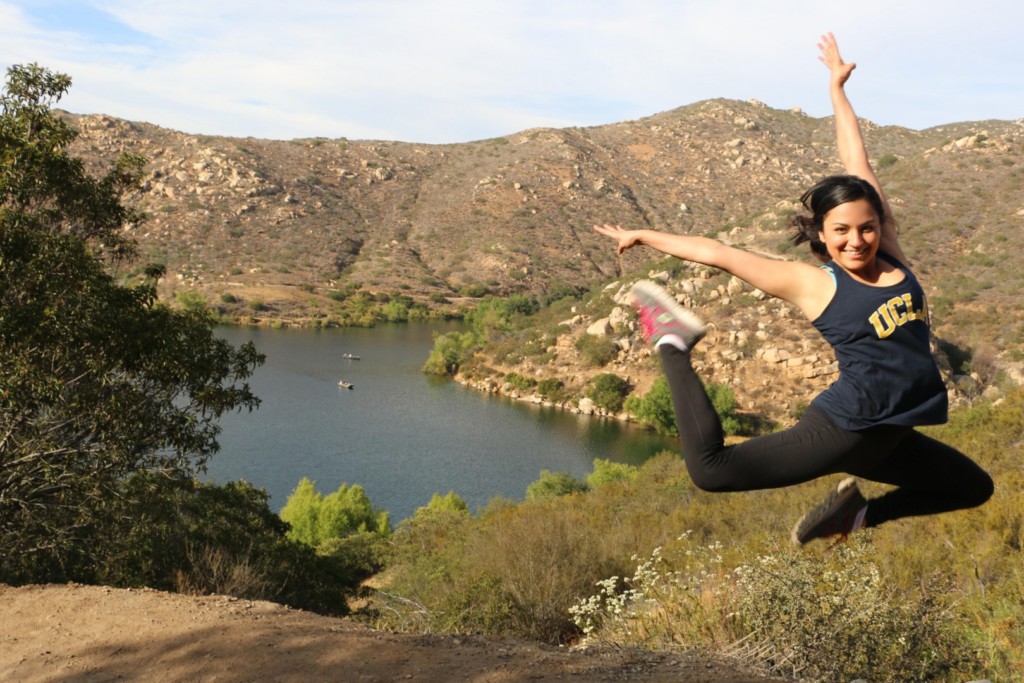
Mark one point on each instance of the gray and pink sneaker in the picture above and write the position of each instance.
(662, 318)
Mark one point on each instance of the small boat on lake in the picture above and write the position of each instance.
(345, 385)
(349, 356)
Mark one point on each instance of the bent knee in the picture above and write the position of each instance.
(712, 482)
(975, 491)
(983, 490)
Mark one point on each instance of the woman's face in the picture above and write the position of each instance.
(852, 234)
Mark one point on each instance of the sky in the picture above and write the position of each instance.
(449, 71)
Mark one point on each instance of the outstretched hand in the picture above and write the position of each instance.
(624, 238)
(830, 57)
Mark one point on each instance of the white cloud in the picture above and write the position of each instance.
(455, 70)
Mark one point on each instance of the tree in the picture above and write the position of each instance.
(98, 379)
(554, 484)
(316, 519)
(655, 408)
(342, 526)
(450, 352)
(724, 402)
(608, 391)
(494, 316)
(449, 502)
(301, 512)
(606, 472)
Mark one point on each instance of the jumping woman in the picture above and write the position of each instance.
(867, 304)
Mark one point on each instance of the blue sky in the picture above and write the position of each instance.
(441, 71)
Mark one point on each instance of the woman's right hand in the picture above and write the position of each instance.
(624, 238)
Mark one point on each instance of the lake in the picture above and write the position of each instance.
(400, 434)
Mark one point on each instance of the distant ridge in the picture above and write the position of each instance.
(280, 230)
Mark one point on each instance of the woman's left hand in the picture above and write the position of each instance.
(830, 57)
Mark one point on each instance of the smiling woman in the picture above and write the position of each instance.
(868, 305)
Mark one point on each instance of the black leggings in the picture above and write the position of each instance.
(931, 477)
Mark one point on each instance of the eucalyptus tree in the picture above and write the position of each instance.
(99, 380)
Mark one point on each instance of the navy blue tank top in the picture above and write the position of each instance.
(887, 374)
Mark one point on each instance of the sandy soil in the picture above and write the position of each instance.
(77, 633)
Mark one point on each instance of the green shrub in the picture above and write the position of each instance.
(228, 298)
(450, 352)
(495, 317)
(450, 502)
(606, 472)
(543, 556)
(519, 382)
(887, 160)
(789, 612)
(655, 408)
(553, 485)
(395, 312)
(596, 351)
(190, 300)
(517, 568)
(552, 389)
(608, 391)
(832, 617)
(428, 577)
(315, 518)
(724, 402)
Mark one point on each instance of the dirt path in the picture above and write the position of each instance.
(79, 633)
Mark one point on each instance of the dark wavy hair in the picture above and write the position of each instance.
(822, 198)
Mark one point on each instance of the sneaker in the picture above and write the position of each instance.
(661, 316)
(839, 515)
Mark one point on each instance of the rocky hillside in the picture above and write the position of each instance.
(285, 230)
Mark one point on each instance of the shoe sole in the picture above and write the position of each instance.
(846, 489)
(666, 301)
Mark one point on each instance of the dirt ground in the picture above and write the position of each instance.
(74, 633)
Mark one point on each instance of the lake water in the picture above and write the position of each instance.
(399, 433)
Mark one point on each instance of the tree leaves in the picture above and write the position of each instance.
(98, 379)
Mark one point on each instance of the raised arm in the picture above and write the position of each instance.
(852, 152)
(801, 284)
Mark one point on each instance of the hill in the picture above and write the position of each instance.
(294, 231)
(94, 633)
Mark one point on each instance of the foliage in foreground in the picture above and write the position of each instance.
(99, 381)
(343, 525)
(182, 535)
(932, 598)
(786, 612)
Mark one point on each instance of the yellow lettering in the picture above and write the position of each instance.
(895, 313)
(911, 313)
(882, 322)
(898, 316)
